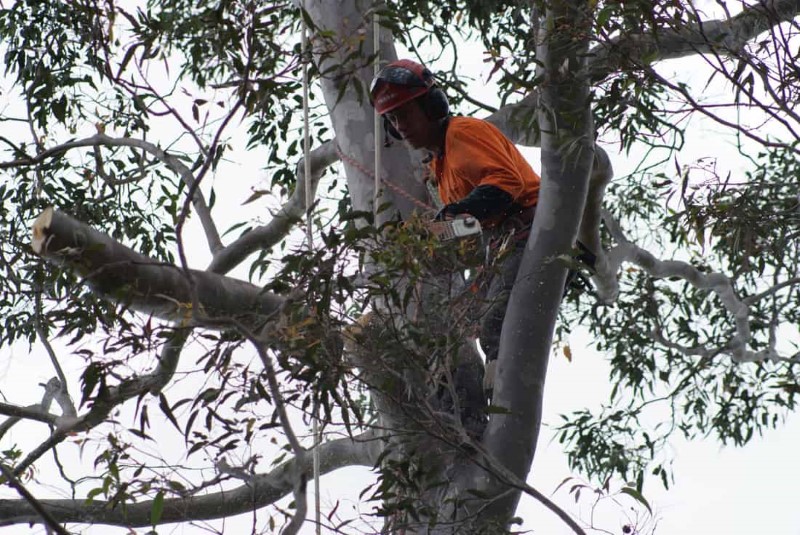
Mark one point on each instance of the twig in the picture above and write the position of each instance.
(203, 212)
(152, 382)
(12, 481)
(41, 410)
(62, 396)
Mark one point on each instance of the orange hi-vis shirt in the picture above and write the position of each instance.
(476, 153)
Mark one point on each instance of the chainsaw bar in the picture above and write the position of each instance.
(455, 228)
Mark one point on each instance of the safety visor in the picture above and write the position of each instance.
(402, 76)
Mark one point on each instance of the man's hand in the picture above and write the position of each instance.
(448, 212)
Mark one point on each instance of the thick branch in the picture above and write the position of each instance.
(33, 502)
(568, 154)
(517, 120)
(718, 36)
(162, 290)
(260, 491)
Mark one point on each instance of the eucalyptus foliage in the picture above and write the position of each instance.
(129, 117)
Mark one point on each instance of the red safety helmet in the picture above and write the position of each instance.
(399, 82)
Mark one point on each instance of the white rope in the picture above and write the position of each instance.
(376, 123)
(310, 239)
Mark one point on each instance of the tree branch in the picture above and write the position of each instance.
(115, 395)
(518, 120)
(268, 235)
(261, 490)
(568, 154)
(710, 282)
(33, 502)
(717, 36)
(41, 410)
(62, 397)
(33, 412)
(132, 279)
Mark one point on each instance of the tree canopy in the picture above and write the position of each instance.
(192, 347)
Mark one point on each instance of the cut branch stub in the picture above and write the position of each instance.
(160, 289)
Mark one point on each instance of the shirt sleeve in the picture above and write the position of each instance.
(485, 159)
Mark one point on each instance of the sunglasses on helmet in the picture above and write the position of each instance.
(399, 76)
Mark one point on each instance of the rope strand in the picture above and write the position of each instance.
(310, 239)
(386, 182)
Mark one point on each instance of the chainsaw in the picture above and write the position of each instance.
(453, 229)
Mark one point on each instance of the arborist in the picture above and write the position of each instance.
(478, 172)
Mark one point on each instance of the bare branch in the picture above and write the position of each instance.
(262, 490)
(710, 282)
(771, 291)
(38, 412)
(268, 235)
(33, 502)
(114, 396)
(62, 397)
(33, 412)
(589, 232)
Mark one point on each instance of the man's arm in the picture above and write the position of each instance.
(482, 203)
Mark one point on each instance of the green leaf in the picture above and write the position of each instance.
(157, 509)
(164, 405)
(90, 378)
(636, 495)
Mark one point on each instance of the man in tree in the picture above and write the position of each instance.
(479, 173)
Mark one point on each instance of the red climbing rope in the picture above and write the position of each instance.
(388, 183)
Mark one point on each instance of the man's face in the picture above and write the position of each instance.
(412, 123)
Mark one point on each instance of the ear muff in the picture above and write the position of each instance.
(435, 104)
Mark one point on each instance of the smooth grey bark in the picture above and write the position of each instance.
(283, 220)
(567, 156)
(721, 36)
(151, 287)
(260, 490)
(351, 112)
